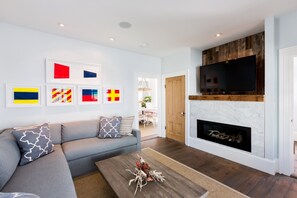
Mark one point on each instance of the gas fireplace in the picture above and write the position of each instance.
(230, 135)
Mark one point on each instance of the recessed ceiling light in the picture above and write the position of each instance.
(125, 25)
(219, 34)
(61, 24)
(144, 45)
(112, 39)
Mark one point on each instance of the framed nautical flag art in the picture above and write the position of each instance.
(23, 96)
(66, 72)
(112, 95)
(60, 95)
(89, 95)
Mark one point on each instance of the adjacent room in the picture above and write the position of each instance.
(148, 99)
(148, 107)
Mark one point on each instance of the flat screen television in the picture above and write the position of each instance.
(230, 77)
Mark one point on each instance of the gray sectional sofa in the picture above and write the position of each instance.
(76, 149)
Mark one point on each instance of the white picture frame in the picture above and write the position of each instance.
(86, 95)
(23, 95)
(111, 98)
(58, 95)
(67, 72)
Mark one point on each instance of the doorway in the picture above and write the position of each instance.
(148, 107)
(175, 108)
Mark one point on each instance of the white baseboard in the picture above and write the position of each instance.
(241, 157)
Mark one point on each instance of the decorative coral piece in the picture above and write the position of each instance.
(144, 174)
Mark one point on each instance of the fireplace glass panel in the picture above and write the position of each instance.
(229, 135)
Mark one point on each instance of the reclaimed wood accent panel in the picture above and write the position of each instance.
(253, 98)
(251, 45)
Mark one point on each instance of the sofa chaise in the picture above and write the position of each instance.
(76, 149)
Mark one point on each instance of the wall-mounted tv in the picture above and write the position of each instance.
(230, 77)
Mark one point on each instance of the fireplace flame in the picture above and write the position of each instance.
(223, 136)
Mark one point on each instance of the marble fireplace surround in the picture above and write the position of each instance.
(248, 114)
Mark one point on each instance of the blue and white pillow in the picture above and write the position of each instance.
(33, 142)
(110, 127)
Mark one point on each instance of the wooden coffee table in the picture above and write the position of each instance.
(176, 185)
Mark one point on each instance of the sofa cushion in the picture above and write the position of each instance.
(126, 125)
(34, 142)
(55, 130)
(79, 130)
(9, 156)
(18, 195)
(110, 127)
(48, 176)
(91, 146)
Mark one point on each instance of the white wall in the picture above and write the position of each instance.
(23, 53)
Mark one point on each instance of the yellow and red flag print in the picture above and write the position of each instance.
(61, 95)
(113, 95)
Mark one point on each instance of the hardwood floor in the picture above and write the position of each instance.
(242, 178)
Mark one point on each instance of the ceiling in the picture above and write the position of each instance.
(165, 25)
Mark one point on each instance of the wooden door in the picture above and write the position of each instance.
(175, 108)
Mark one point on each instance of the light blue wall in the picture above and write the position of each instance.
(23, 52)
(287, 30)
(280, 32)
(186, 59)
(178, 61)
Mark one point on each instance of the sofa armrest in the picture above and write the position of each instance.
(137, 134)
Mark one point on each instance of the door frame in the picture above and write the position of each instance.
(286, 95)
(187, 106)
(147, 75)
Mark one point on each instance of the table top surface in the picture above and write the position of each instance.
(175, 185)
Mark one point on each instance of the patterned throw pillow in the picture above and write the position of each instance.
(126, 125)
(18, 195)
(34, 142)
(110, 127)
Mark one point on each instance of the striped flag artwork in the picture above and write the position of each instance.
(61, 95)
(113, 95)
(89, 95)
(25, 95)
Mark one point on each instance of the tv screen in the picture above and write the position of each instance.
(230, 77)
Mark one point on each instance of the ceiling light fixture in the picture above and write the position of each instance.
(143, 85)
(61, 24)
(125, 25)
(144, 45)
(112, 39)
(219, 34)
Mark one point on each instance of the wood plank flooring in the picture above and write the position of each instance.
(242, 178)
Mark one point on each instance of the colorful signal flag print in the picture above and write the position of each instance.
(61, 71)
(67, 72)
(89, 74)
(113, 95)
(61, 95)
(24, 96)
(89, 95)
